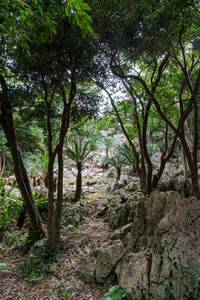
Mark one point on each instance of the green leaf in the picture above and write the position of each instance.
(117, 297)
(77, 2)
(114, 288)
(90, 29)
(88, 18)
(40, 9)
(67, 11)
(45, 35)
(84, 32)
(85, 6)
(107, 297)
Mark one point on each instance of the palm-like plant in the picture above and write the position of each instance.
(193, 272)
(38, 165)
(107, 143)
(79, 153)
(127, 151)
(117, 161)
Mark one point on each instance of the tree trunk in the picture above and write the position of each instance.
(58, 210)
(7, 123)
(185, 165)
(192, 167)
(78, 182)
(118, 173)
(2, 164)
(51, 219)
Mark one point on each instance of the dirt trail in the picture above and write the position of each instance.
(65, 283)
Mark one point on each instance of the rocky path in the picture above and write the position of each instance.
(77, 243)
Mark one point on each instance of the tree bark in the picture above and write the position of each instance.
(78, 182)
(58, 210)
(118, 173)
(6, 120)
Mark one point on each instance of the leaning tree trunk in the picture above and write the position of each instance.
(77, 196)
(6, 120)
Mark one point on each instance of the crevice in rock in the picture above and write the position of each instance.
(149, 265)
(160, 267)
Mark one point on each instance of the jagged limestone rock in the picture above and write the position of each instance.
(120, 216)
(132, 187)
(118, 185)
(122, 232)
(132, 274)
(108, 256)
(114, 200)
(73, 215)
(165, 236)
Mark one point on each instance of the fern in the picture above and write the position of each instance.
(193, 273)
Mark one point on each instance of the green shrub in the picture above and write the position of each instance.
(115, 293)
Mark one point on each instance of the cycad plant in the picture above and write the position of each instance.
(116, 160)
(193, 273)
(80, 152)
(38, 165)
(107, 143)
(127, 151)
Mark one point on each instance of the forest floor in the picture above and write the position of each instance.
(24, 278)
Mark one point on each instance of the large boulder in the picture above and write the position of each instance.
(108, 256)
(165, 237)
(86, 272)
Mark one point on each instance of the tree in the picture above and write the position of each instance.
(147, 44)
(107, 143)
(7, 123)
(117, 161)
(15, 32)
(80, 152)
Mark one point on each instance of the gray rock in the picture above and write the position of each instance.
(132, 187)
(118, 185)
(132, 274)
(86, 272)
(165, 236)
(120, 216)
(73, 215)
(53, 267)
(114, 200)
(38, 244)
(122, 232)
(178, 184)
(108, 256)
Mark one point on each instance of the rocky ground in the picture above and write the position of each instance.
(83, 233)
(112, 236)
